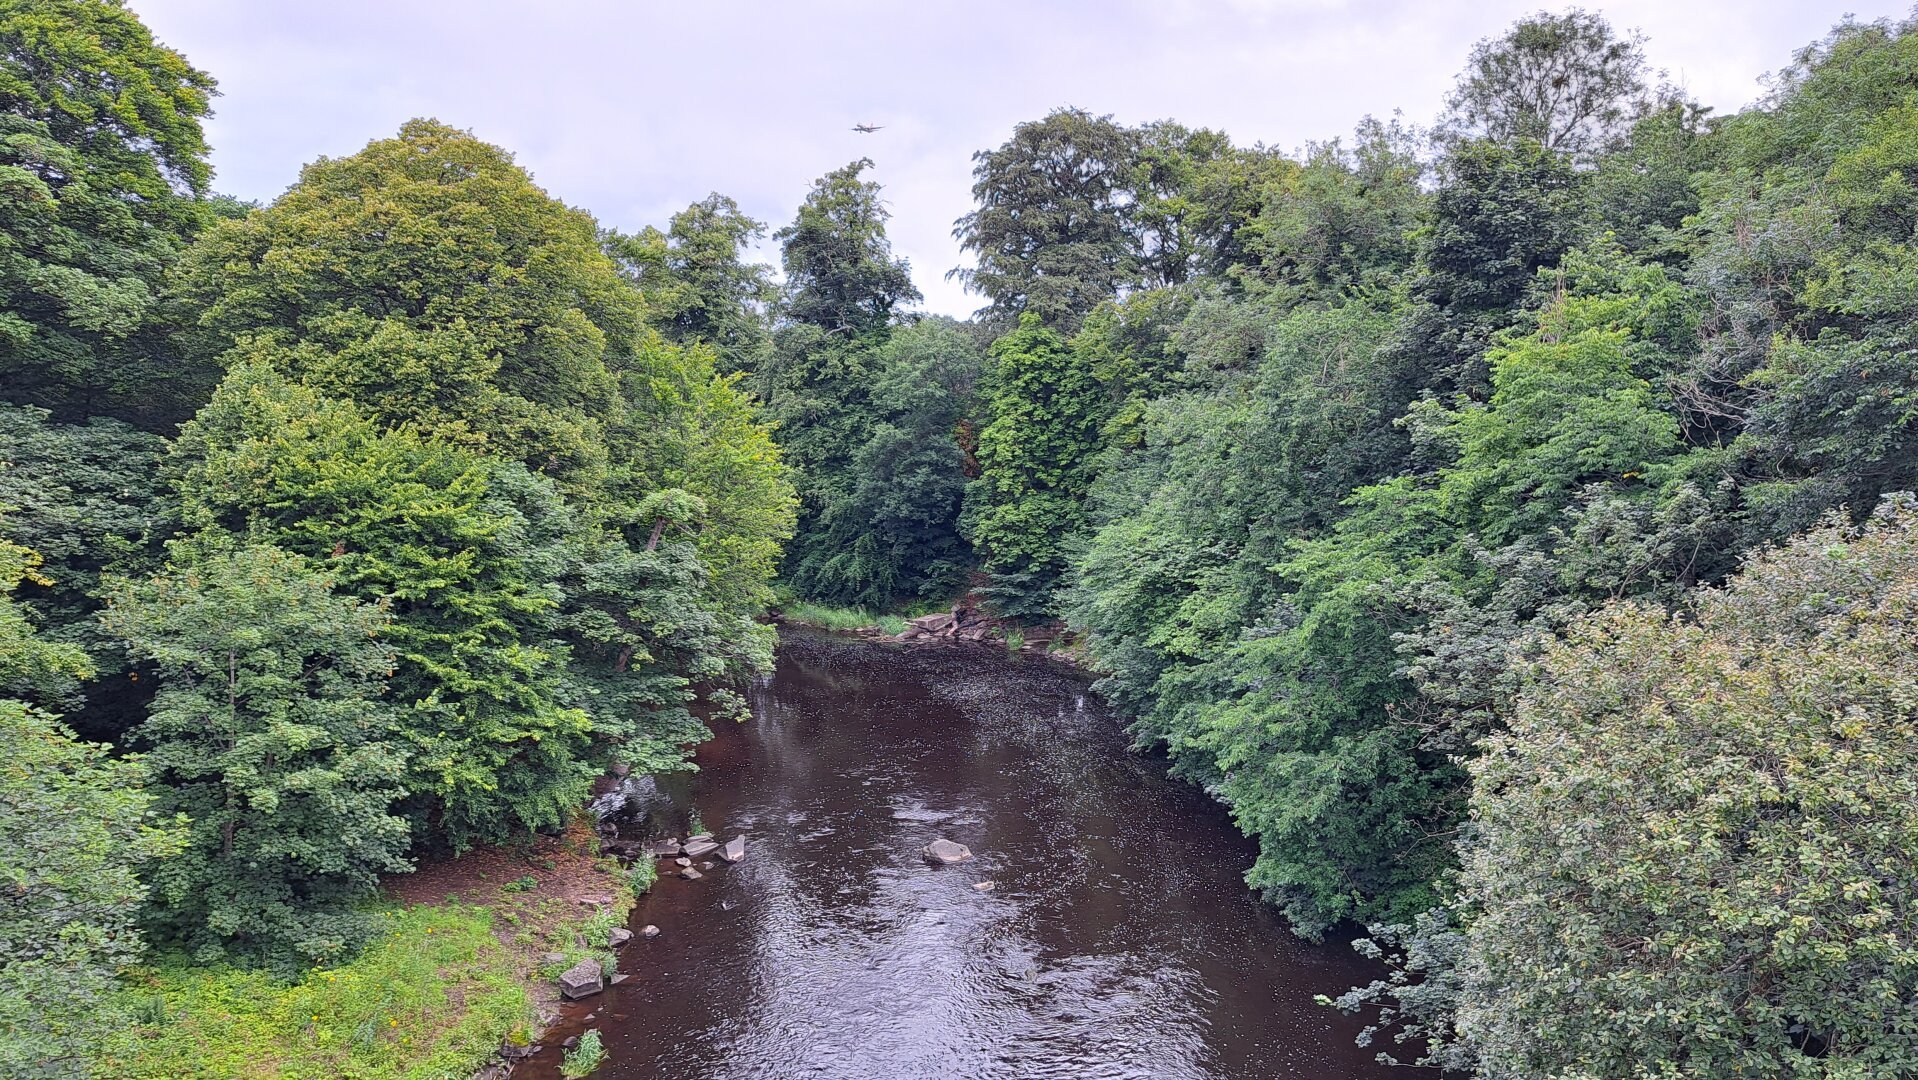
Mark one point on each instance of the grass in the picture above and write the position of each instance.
(644, 873)
(841, 618)
(430, 999)
(582, 1059)
(1015, 639)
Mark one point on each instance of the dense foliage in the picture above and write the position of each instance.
(1398, 489)
(375, 521)
(1695, 836)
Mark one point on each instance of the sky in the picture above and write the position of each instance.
(632, 109)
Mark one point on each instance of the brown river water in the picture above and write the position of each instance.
(1119, 939)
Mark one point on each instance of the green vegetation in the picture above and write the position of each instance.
(827, 617)
(1509, 521)
(384, 1014)
(583, 1058)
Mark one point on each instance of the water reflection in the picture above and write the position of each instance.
(1117, 938)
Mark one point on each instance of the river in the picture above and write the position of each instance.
(1118, 938)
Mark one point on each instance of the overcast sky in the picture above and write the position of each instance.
(632, 109)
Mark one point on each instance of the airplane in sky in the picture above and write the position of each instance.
(867, 129)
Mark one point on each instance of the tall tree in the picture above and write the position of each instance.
(1566, 82)
(427, 279)
(102, 173)
(1051, 232)
(840, 273)
(895, 535)
(1044, 417)
(697, 285)
(843, 291)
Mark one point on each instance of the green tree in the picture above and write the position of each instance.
(842, 290)
(77, 827)
(895, 535)
(102, 172)
(88, 500)
(840, 273)
(427, 279)
(463, 551)
(1692, 844)
(1051, 233)
(270, 733)
(1565, 82)
(1044, 414)
(697, 286)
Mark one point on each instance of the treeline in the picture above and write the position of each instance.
(1393, 488)
(1502, 518)
(1422, 496)
(374, 522)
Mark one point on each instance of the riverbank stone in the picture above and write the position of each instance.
(583, 979)
(734, 850)
(946, 853)
(691, 874)
(619, 936)
(664, 848)
(701, 848)
(649, 931)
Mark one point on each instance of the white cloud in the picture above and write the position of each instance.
(634, 108)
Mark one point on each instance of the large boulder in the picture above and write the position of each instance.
(734, 850)
(583, 979)
(946, 853)
(696, 849)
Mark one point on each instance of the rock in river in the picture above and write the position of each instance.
(664, 848)
(701, 848)
(734, 850)
(691, 874)
(619, 936)
(649, 931)
(582, 980)
(945, 852)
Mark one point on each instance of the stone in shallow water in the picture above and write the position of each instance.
(619, 936)
(582, 980)
(700, 848)
(691, 874)
(649, 931)
(664, 848)
(734, 850)
(984, 886)
(946, 853)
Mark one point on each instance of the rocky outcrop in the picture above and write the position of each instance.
(966, 622)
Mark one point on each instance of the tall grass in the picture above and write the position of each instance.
(828, 617)
(390, 1013)
(582, 1059)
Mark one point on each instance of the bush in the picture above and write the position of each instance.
(74, 829)
(1695, 844)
